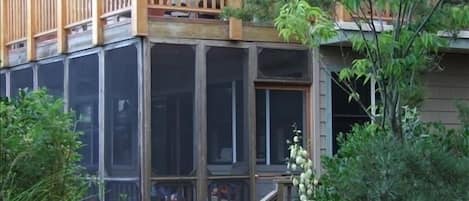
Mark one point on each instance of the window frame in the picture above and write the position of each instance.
(304, 87)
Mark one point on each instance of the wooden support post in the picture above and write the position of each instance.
(31, 30)
(139, 17)
(97, 23)
(235, 25)
(3, 28)
(61, 23)
(341, 13)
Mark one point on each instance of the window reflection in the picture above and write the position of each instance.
(173, 145)
(83, 92)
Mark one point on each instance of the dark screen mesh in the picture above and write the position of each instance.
(20, 80)
(283, 64)
(172, 97)
(51, 76)
(121, 89)
(225, 108)
(83, 92)
(3, 85)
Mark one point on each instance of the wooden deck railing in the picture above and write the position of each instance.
(24, 23)
(343, 16)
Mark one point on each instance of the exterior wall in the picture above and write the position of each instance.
(332, 59)
(444, 88)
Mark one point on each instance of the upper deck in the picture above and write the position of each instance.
(35, 29)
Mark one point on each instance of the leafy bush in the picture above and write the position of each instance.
(38, 150)
(432, 163)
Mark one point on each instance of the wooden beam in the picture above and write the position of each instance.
(250, 117)
(97, 23)
(235, 25)
(201, 121)
(3, 28)
(31, 30)
(139, 17)
(61, 23)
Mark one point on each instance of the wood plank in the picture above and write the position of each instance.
(201, 121)
(31, 30)
(236, 29)
(61, 23)
(97, 23)
(3, 26)
(139, 18)
(250, 117)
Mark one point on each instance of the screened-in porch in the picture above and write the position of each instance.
(180, 120)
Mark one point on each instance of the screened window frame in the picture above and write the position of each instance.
(64, 61)
(234, 132)
(265, 168)
(9, 80)
(308, 77)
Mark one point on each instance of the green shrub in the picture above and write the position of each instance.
(38, 150)
(432, 163)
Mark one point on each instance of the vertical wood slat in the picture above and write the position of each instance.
(97, 23)
(61, 23)
(3, 26)
(31, 30)
(139, 17)
(235, 25)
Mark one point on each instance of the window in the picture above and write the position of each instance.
(121, 112)
(228, 190)
(20, 80)
(346, 113)
(276, 112)
(83, 92)
(3, 84)
(51, 76)
(122, 190)
(226, 139)
(172, 100)
(283, 64)
(172, 191)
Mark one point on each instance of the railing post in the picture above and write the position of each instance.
(235, 25)
(97, 23)
(139, 17)
(31, 30)
(341, 14)
(3, 29)
(61, 23)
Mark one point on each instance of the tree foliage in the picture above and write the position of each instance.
(38, 150)
(394, 58)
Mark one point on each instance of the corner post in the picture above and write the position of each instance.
(235, 25)
(3, 28)
(31, 30)
(61, 23)
(139, 17)
(97, 23)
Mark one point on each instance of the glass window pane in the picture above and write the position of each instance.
(173, 145)
(122, 191)
(84, 89)
(3, 85)
(286, 109)
(228, 190)
(283, 64)
(121, 114)
(226, 139)
(51, 76)
(21, 79)
(172, 191)
(277, 111)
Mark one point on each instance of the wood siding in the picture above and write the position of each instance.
(444, 88)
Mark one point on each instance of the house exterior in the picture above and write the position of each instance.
(176, 104)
